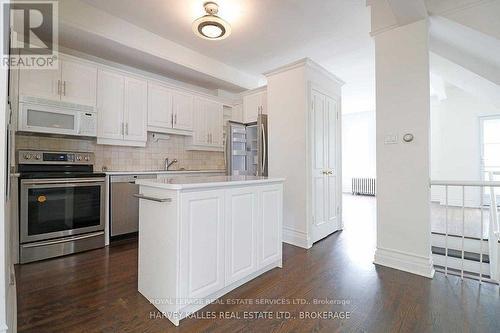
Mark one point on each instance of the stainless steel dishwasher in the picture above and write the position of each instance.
(124, 215)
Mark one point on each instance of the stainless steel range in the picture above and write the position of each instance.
(61, 204)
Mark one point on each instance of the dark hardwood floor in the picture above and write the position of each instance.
(96, 291)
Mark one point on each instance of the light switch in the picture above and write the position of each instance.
(391, 139)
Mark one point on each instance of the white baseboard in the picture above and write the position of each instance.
(403, 261)
(295, 237)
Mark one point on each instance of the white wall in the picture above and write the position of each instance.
(455, 142)
(403, 171)
(358, 147)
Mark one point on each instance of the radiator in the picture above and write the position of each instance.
(363, 186)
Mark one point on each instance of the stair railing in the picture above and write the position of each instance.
(494, 233)
(493, 247)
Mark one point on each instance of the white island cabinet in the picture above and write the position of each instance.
(201, 237)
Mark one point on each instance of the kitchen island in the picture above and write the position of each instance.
(201, 237)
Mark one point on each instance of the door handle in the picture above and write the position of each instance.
(145, 197)
(64, 240)
(264, 148)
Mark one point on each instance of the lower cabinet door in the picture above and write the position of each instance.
(202, 248)
(270, 230)
(241, 233)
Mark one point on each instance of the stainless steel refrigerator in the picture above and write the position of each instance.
(246, 148)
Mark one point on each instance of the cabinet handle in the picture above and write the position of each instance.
(123, 128)
(144, 197)
(64, 88)
(126, 128)
(59, 87)
(208, 137)
(175, 119)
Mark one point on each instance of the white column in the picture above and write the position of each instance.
(403, 106)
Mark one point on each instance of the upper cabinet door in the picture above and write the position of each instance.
(159, 106)
(110, 103)
(216, 124)
(182, 111)
(200, 126)
(43, 83)
(135, 110)
(263, 102)
(251, 107)
(79, 82)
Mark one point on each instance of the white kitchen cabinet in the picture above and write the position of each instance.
(42, 83)
(215, 122)
(121, 109)
(79, 82)
(159, 108)
(110, 105)
(74, 81)
(169, 111)
(182, 110)
(254, 103)
(135, 110)
(208, 126)
(242, 218)
(202, 241)
(269, 230)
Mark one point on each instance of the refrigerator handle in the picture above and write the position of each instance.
(264, 148)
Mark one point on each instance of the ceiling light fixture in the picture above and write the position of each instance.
(211, 26)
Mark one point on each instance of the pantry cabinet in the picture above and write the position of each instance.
(74, 81)
(122, 109)
(207, 126)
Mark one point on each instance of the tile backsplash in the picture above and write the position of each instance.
(117, 158)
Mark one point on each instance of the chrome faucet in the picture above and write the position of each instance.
(169, 163)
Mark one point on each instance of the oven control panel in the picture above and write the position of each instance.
(52, 157)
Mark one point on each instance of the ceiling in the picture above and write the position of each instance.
(267, 34)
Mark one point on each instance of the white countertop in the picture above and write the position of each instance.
(161, 172)
(192, 182)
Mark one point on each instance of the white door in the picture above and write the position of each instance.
(324, 166)
(183, 111)
(135, 109)
(270, 229)
(79, 82)
(110, 103)
(202, 247)
(241, 233)
(43, 83)
(159, 106)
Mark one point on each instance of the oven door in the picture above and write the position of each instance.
(51, 208)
